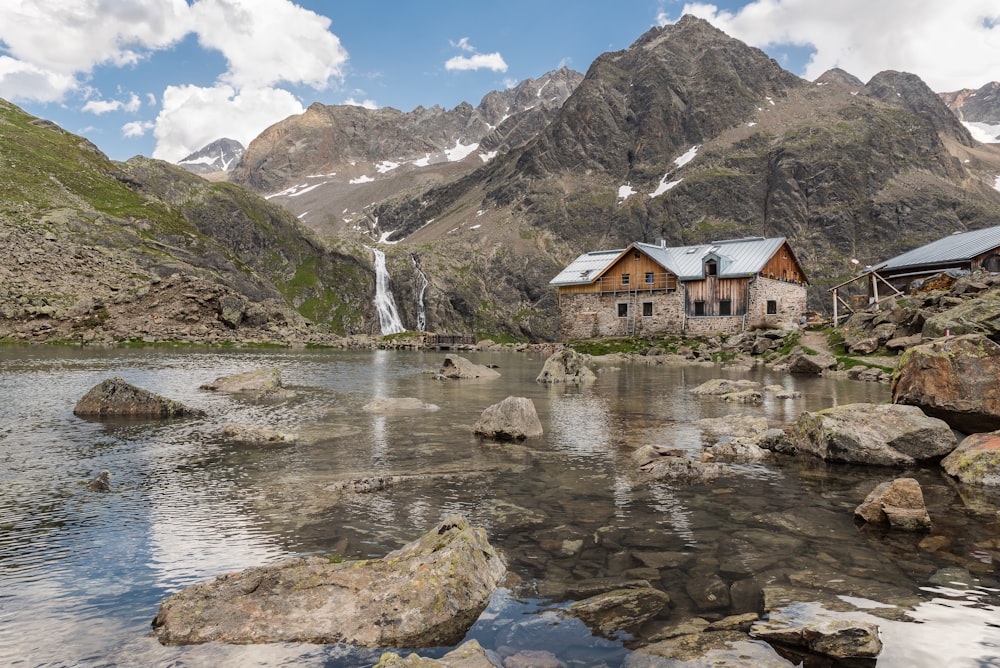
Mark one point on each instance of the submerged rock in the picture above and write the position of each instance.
(513, 419)
(899, 503)
(427, 593)
(976, 460)
(455, 366)
(619, 610)
(255, 435)
(469, 654)
(839, 639)
(396, 405)
(724, 386)
(880, 434)
(101, 482)
(116, 398)
(566, 366)
(260, 384)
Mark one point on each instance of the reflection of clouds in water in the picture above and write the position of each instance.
(580, 424)
(622, 490)
(677, 514)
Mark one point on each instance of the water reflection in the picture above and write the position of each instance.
(82, 574)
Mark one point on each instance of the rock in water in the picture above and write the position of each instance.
(513, 419)
(976, 460)
(427, 593)
(101, 482)
(879, 434)
(258, 385)
(455, 366)
(116, 398)
(956, 379)
(566, 366)
(899, 503)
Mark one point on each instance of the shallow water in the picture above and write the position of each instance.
(82, 573)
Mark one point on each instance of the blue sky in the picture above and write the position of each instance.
(163, 78)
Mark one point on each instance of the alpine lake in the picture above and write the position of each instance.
(82, 573)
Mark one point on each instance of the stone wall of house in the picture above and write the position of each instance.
(790, 300)
(712, 325)
(592, 315)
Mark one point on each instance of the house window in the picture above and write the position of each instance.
(725, 307)
(647, 309)
(711, 268)
(699, 308)
(772, 307)
(650, 278)
(626, 279)
(623, 310)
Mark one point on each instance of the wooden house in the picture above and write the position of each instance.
(718, 287)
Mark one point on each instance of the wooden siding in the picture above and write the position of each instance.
(712, 290)
(636, 268)
(783, 265)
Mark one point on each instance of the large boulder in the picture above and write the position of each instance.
(956, 379)
(898, 503)
(513, 419)
(566, 366)
(881, 434)
(259, 384)
(427, 593)
(116, 398)
(976, 460)
(456, 366)
(980, 315)
(803, 363)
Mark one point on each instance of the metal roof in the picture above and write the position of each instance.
(736, 257)
(586, 268)
(958, 247)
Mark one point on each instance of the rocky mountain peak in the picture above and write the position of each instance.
(219, 156)
(910, 92)
(839, 77)
(978, 109)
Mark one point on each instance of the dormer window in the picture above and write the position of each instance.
(711, 268)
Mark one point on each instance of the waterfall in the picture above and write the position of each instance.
(388, 318)
(421, 311)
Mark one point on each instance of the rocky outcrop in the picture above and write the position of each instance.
(426, 593)
(898, 503)
(566, 366)
(513, 419)
(976, 460)
(880, 434)
(801, 362)
(258, 385)
(956, 379)
(455, 366)
(620, 609)
(116, 398)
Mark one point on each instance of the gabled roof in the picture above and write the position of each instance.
(735, 257)
(586, 268)
(958, 247)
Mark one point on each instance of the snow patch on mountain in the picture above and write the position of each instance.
(986, 133)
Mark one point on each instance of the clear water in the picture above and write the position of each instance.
(82, 573)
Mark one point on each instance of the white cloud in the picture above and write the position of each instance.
(137, 128)
(463, 45)
(479, 61)
(193, 116)
(104, 106)
(367, 104)
(23, 81)
(948, 45)
(270, 41)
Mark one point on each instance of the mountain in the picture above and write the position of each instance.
(218, 157)
(327, 164)
(108, 251)
(710, 139)
(979, 110)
